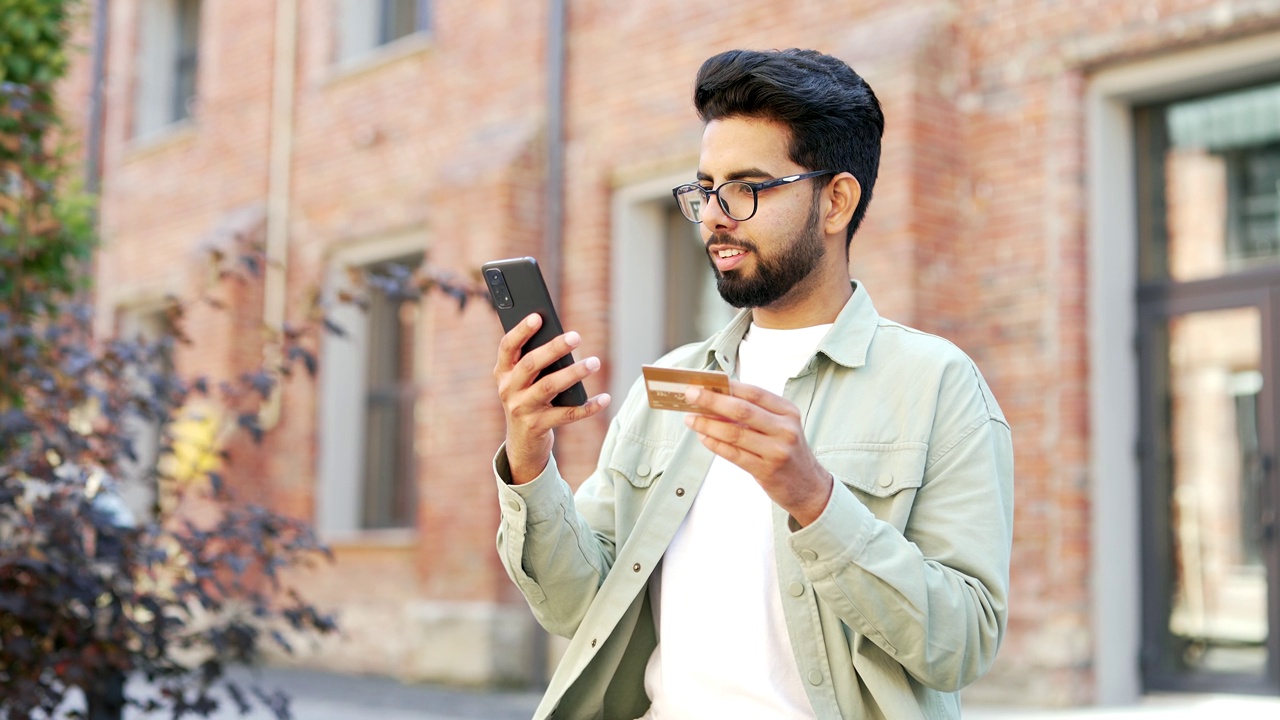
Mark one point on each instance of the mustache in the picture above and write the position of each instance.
(726, 239)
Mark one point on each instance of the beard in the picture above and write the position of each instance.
(775, 275)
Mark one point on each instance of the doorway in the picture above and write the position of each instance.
(1208, 302)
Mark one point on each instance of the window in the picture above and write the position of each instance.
(369, 24)
(168, 56)
(138, 486)
(1209, 248)
(187, 52)
(663, 288)
(1253, 203)
(1214, 176)
(368, 399)
(693, 308)
(387, 498)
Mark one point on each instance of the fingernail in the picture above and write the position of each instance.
(531, 320)
(691, 394)
(605, 400)
(593, 363)
(573, 338)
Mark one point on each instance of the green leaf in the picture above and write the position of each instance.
(19, 67)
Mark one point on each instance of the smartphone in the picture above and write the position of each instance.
(517, 290)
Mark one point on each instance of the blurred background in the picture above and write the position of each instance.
(1083, 195)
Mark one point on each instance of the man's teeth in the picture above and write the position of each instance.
(729, 253)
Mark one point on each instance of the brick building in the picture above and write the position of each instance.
(1082, 195)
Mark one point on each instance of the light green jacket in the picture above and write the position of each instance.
(895, 597)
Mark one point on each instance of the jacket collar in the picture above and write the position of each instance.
(846, 344)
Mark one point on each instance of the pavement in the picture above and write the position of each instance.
(326, 696)
(318, 695)
(1155, 707)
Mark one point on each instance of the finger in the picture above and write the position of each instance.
(511, 343)
(557, 417)
(728, 432)
(557, 382)
(537, 359)
(734, 409)
(748, 404)
(739, 456)
(760, 397)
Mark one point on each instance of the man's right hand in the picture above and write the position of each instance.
(531, 418)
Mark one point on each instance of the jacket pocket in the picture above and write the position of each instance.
(885, 477)
(639, 461)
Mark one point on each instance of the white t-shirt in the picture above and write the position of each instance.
(723, 648)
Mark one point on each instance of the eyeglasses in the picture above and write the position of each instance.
(738, 198)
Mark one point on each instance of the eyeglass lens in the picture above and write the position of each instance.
(737, 200)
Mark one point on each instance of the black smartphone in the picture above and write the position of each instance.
(517, 290)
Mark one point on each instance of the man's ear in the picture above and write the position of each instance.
(844, 193)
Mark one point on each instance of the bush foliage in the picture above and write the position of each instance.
(89, 593)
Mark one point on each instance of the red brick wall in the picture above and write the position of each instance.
(976, 230)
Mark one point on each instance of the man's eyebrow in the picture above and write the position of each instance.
(743, 174)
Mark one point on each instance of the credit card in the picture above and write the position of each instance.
(666, 386)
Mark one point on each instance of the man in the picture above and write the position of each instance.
(832, 540)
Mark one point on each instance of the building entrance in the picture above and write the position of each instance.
(1209, 303)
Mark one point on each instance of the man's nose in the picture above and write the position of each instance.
(714, 217)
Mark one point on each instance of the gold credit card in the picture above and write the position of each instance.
(666, 386)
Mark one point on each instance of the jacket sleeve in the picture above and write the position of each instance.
(934, 597)
(555, 555)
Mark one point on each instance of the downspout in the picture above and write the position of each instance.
(278, 181)
(93, 163)
(553, 229)
(554, 226)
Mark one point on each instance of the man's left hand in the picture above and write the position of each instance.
(761, 433)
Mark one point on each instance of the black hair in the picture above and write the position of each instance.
(834, 117)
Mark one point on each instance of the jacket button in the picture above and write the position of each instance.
(642, 469)
(593, 642)
(636, 567)
(514, 505)
(815, 677)
(886, 479)
(679, 492)
(796, 589)
(808, 554)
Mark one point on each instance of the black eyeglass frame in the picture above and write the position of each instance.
(756, 187)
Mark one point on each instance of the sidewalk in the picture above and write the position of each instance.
(1156, 707)
(320, 695)
(326, 696)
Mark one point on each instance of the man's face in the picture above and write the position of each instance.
(765, 259)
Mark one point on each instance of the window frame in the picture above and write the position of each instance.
(376, 24)
(166, 67)
(638, 276)
(1114, 88)
(341, 432)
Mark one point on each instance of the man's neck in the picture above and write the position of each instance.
(807, 305)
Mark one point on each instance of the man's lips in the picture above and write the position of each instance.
(727, 257)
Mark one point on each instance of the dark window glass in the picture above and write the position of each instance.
(401, 18)
(388, 495)
(1209, 173)
(185, 58)
(693, 308)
